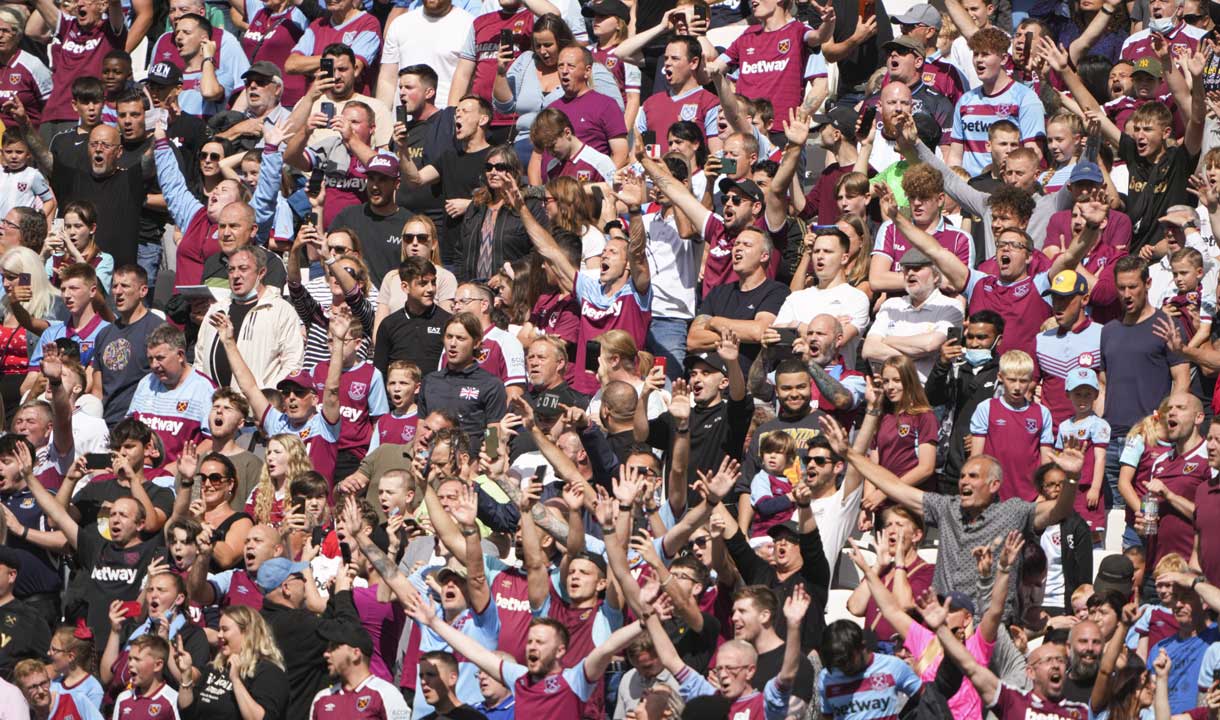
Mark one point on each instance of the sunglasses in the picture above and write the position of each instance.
(1192, 19)
(701, 542)
(734, 199)
(338, 248)
(820, 460)
(299, 392)
(420, 238)
(498, 167)
(213, 156)
(213, 479)
(258, 80)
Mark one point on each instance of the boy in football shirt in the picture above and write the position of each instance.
(1015, 431)
(397, 427)
(1191, 305)
(148, 697)
(552, 134)
(999, 97)
(362, 400)
(1086, 427)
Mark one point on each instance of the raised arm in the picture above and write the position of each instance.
(421, 611)
(934, 613)
(886, 481)
(1094, 208)
(241, 372)
(954, 270)
(892, 610)
(465, 512)
(539, 579)
(50, 507)
(677, 192)
(796, 130)
(632, 193)
(542, 239)
(338, 327)
(989, 624)
(795, 607)
(1048, 512)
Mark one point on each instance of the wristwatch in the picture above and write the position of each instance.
(1198, 579)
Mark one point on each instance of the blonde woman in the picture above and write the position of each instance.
(287, 459)
(246, 679)
(621, 360)
(29, 307)
(419, 239)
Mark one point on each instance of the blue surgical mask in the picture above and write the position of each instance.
(247, 297)
(977, 356)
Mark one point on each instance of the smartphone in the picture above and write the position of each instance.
(1092, 146)
(1029, 45)
(328, 109)
(787, 336)
(491, 442)
(327, 65)
(867, 8)
(593, 353)
(653, 151)
(315, 219)
(867, 118)
(955, 335)
(402, 114)
(702, 11)
(131, 608)
(506, 38)
(315, 182)
(728, 166)
(23, 279)
(97, 461)
(540, 474)
(346, 552)
(659, 362)
(649, 137)
(571, 348)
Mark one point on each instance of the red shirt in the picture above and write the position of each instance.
(487, 29)
(1207, 519)
(78, 53)
(771, 65)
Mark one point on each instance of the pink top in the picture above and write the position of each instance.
(966, 704)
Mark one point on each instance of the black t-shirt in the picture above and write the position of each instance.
(119, 199)
(138, 154)
(214, 698)
(91, 498)
(23, 634)
(426, 142)
(696, 648)
(461, 712)
(1153, 188)
(112, 573)
(188, 134)
(70, 148)
(728, 301)
(715, 431)
(768, 667)
(802, 431)
(221, 370)
(380, 236)
(461, 172)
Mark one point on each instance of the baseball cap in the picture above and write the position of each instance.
(839, 117)
(594, 558)
(275, 571)
(299, 378)
(166, 74)
(1148, 65)
(346, 633)
(711, 359)
(914, 257)
(959, 601)
(449, 573)
(904, 42)
(1066, 284)
(265, 69)
(9, 558)
(1081, 376)
(1086, 171)
(745, 186)
(1116, 573)
(383, 164)
(607, 8)
(922, 14)
(785, 528)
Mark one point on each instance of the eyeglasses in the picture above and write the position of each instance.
(45, 684)
(465, 301)
(498, 167)
(214, 479)
(421, 238)
(1052, 660)
(212, 156)
(10, 224)
(98, 144)
(730, 668)
(1010, 245)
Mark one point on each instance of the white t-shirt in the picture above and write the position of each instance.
(414, 38)
(1052, 545)
(674, 263)
(836, 517)
(592, 242)
(803, 305)
(962, 56)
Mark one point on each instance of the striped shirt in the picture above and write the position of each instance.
(1057, 355)
(976, 112)
(175, 415)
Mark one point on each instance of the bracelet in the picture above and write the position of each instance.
(1105, 10)
(330, 261)
(607, 529)
(1006, 569)
(666, 580)
(25, 532)
(188, 483)
(1193, 583)
(653, 509)
(873, 413)
(470, 531)
(1092, 225)
(633, 210)
(900, 567)
(682, 430)
(625, 507)
(803, 505)
(207, 59)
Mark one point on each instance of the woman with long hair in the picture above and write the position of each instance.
(245, 680)
(211, 174)
(287, 459)
(511, 287)
(74, 661)
(76, 244)
(166, 612)
(217, 478)
(609, 31)
(622, 359)
(420, 238)
(570, 208)
(905, 443)
(491, 233)
(348, 283)
(860, 248)
(29, 307)
(1147, 441)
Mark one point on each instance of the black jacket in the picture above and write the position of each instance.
(1076, 546)
(814, 575)
(962, 388)
(509, 239)
(296, 632)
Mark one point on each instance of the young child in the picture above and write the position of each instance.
(1085, 426)
(1158, 621)
(398, 425)
(1014, 430)
(180, 537)
(1064, 138)
(362, 399)
(74, 660)
(771, 490)
(22, 184)
(1189, 297)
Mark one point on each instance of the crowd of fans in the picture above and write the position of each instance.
(631, 359)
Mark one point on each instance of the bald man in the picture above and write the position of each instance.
(894, 101)
(118, 193)
(236, 228)
(1176, 476)
(1046, 667)
(616, 413)
(1084, 657)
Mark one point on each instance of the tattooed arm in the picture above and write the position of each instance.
(830, 388)
(757, 382)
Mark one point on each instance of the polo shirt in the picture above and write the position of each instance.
(899, 317)
(476, 396)
(417, 338)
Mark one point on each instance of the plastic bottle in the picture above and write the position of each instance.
(1151, 508)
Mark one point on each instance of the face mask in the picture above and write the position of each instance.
(976, 356)
(1161, 26)
(247, 297)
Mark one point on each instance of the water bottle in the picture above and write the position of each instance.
(1151, 508)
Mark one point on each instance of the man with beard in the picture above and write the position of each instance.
(1045, 667)
(917, 323)
(379, 221)
(107, 185)
(1084, 657)
(1186, 650)
(797, 415)
(357, 692)
(236, 586)
(746, 306)
(836, 131)
(905, 64)
(1176, 476)
(839, 390)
